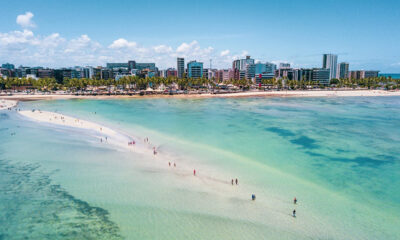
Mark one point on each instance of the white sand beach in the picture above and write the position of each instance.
(253, 93)
(315, 93)
(5, 104)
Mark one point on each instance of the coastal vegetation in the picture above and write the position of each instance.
(134, 83)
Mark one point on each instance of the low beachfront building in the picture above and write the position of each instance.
(321, 75)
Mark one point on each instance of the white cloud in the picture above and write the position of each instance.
(83, 43)
(185, 47)
(24, 47)
(17, 37)
(162, 49)
(224, 53)
(122, 43)
(25, 20)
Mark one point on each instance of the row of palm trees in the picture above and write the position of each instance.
(138, 83)
(369, 83)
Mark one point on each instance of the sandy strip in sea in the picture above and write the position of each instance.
(5, 104)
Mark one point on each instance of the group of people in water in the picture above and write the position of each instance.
(233, 181)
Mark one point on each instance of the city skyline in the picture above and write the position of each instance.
(36, 36)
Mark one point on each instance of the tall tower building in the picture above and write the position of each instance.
(329, 61)
(131, 65)
(343, 70)
(180, 66)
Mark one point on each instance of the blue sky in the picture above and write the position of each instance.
(67, 33)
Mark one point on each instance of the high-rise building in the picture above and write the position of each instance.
(329, 61)
(195, 69)
(369, 74)
(205, 73)
(284, 65)
(361, 74)
(321, 75)
(170, 72)
(262, 76)
(149, 66)
(265, 68)
(242, 74)
(117, 65)
(45, 73)
(250, 71)
(286, 73)
(234, 74)
(260, 68)
(8, 66)
(305, 74)
(180, 65)
(131, 65)
(241, 64)
(222, 75)
(236, 64)
(270, 67)
(245, 62)
(343, 70)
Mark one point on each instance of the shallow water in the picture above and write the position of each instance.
(338, 156)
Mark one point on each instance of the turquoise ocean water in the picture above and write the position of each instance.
(338, 156)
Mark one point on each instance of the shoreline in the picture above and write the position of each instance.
(285, 93)
(6, 104)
